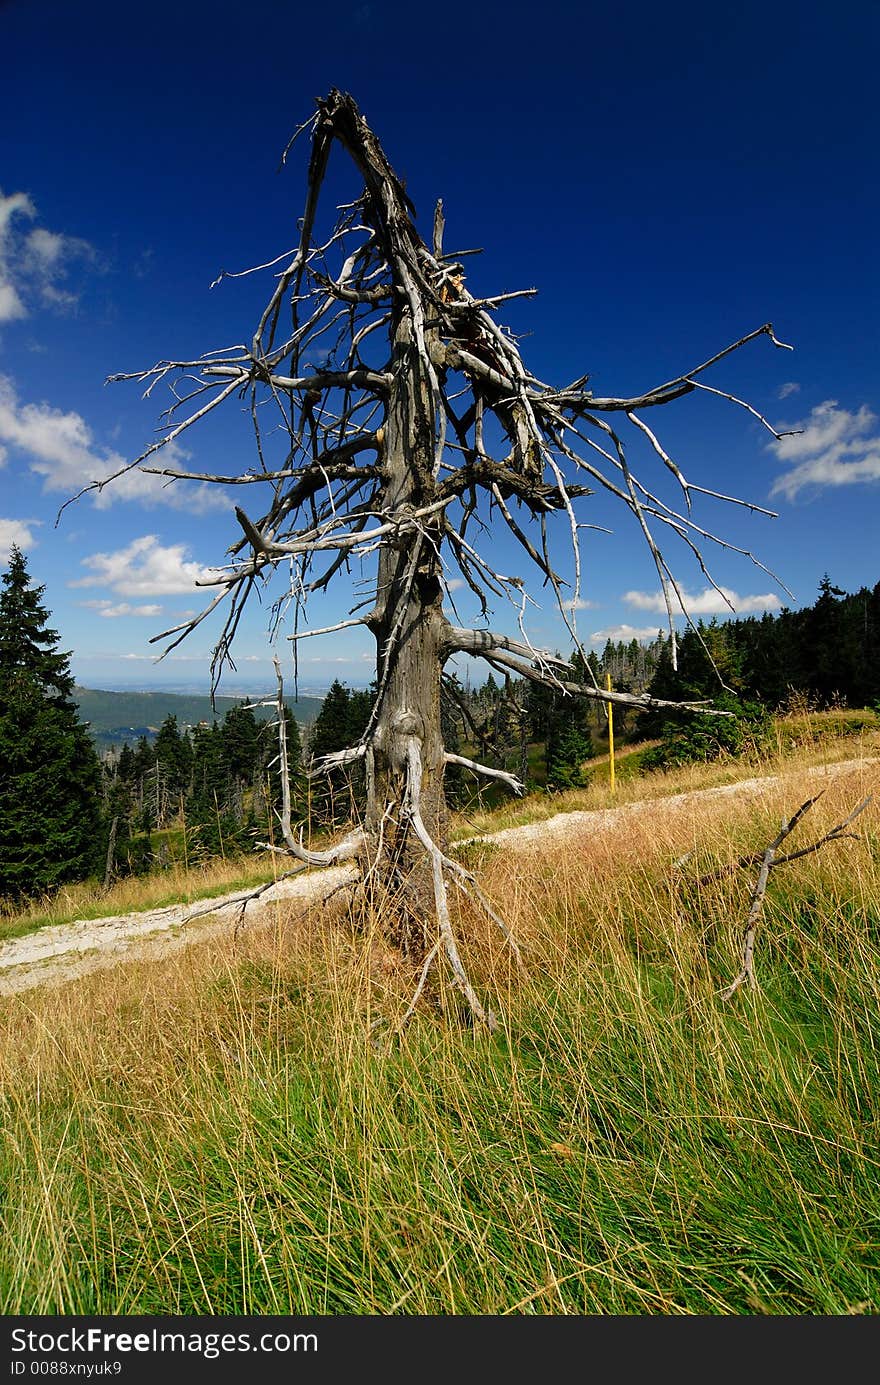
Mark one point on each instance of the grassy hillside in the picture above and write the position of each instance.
(239, 1130)
(819, 740)
(115, 717)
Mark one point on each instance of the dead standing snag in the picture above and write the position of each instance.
(408, 419)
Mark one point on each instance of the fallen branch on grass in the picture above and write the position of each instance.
(768, 860)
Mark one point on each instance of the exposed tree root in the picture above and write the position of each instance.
(368, 851)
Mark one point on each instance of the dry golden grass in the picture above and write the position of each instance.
(225, 1131)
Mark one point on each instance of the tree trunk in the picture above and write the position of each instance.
(111, 854)
(408, 624)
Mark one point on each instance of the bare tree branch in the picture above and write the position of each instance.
(514, 784)
(768, 860)
(755, 857)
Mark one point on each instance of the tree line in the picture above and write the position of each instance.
(829, 651)
(218, 782)
(827, 654)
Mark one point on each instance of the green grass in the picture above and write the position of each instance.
(627, 766)
(815, 728)
(228, 1131)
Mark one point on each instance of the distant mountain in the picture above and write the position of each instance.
(116, 717)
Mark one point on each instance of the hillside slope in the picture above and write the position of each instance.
(63, 952)
(115, 717)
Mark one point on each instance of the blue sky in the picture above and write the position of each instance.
(668, 178)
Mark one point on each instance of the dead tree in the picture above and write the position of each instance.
(410, 423)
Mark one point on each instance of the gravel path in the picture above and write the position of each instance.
(578, 824)
(63, 952)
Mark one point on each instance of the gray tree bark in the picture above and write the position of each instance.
(408, 624)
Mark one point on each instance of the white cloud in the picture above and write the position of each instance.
(11, 306)
(17, 202)
(625, 632)
(46, 260)
(61, 448)
(338, 659)
(790, 387)
(44, 248)
(34, 265)
(16, 532)
(110, 610)
(580, 604)
(828, 427)
(11, 303)
(708, 602)
(833, 447)
(154, 658)
(144, 568)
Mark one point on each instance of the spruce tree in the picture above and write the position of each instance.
(125, 768)
(50, 816)
(344, 713)
(240, 736)
(174, 759)
(822, 631)
(568, 746)
(331, 726)
(123, 855)
(208, 813)
(569, 742)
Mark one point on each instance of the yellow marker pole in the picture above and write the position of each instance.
(610, 706)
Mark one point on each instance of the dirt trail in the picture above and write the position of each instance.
(63, 952)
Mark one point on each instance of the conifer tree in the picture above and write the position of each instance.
(125, 767)
(331, 726)
(269, 800)
(143, 760)
(123, 856)
(210, 817)
(50, 818)
(569, 742)
(240, 736)
(344, 714)
(174, 756)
